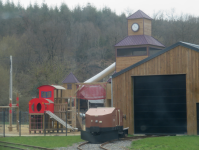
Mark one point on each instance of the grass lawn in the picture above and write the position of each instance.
(45, 141)
(167, 143)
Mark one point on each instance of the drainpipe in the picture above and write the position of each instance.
(111, 92)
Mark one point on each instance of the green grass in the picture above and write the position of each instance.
(130, 135)
(167, 143)
(45, 141)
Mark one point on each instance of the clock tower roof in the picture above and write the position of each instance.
(139, 14)
(137, 40)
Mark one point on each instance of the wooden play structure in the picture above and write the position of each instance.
(49, 110)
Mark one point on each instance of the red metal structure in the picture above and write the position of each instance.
(44, 102)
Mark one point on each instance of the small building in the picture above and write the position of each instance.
(158, 92)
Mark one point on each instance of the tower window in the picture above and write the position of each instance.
(153, 50)
(141, 51)
(69, 86)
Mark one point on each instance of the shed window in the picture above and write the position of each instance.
(153, 50)
(69, 86)
(141, 51)
(46, 94)
(43, 94)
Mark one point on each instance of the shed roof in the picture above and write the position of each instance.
(187, 45)
(135, 40)
(70, 79)
(139, 14)
(58, 87)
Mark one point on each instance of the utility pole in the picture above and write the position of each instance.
(10, 97)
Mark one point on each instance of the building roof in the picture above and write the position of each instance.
(58, 87)
(70, 79)
(187, 45)
(135, 40)
(139, 14)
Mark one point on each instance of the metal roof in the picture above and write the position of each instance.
(135, 40)
(58, 87)
(70, 79)
(139, 14)
(187, 45)
(55, 86)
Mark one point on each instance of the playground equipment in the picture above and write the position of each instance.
(10, 112)
(55, 100)
(50, 102)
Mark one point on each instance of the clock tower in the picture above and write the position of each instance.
(139, 44)
(140, 21)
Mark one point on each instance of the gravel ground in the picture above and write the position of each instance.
(116, 145)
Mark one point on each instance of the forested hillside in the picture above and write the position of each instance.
(48, 43)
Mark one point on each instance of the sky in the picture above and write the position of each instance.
(127, 6)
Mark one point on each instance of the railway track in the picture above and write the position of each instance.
(21, 146)
(122, 139)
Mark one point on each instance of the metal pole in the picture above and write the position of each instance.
(20, 123)
(57, 126)
(11, 77)
(4, 123)
(111, 92)
(44, 124)
(17, 113)
(10, 97)
(66, 123)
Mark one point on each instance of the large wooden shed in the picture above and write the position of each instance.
(160, 94)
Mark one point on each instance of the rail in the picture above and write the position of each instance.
(121, 139)
(23, 145)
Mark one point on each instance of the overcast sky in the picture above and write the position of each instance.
(119, 6)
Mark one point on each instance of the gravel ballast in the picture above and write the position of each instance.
(116, 145)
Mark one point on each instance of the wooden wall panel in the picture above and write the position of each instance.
(147, 27)
(140, 31)
(124, 62)
(108, 91)
(179, 60)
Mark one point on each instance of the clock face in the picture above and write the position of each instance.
(135, 27)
